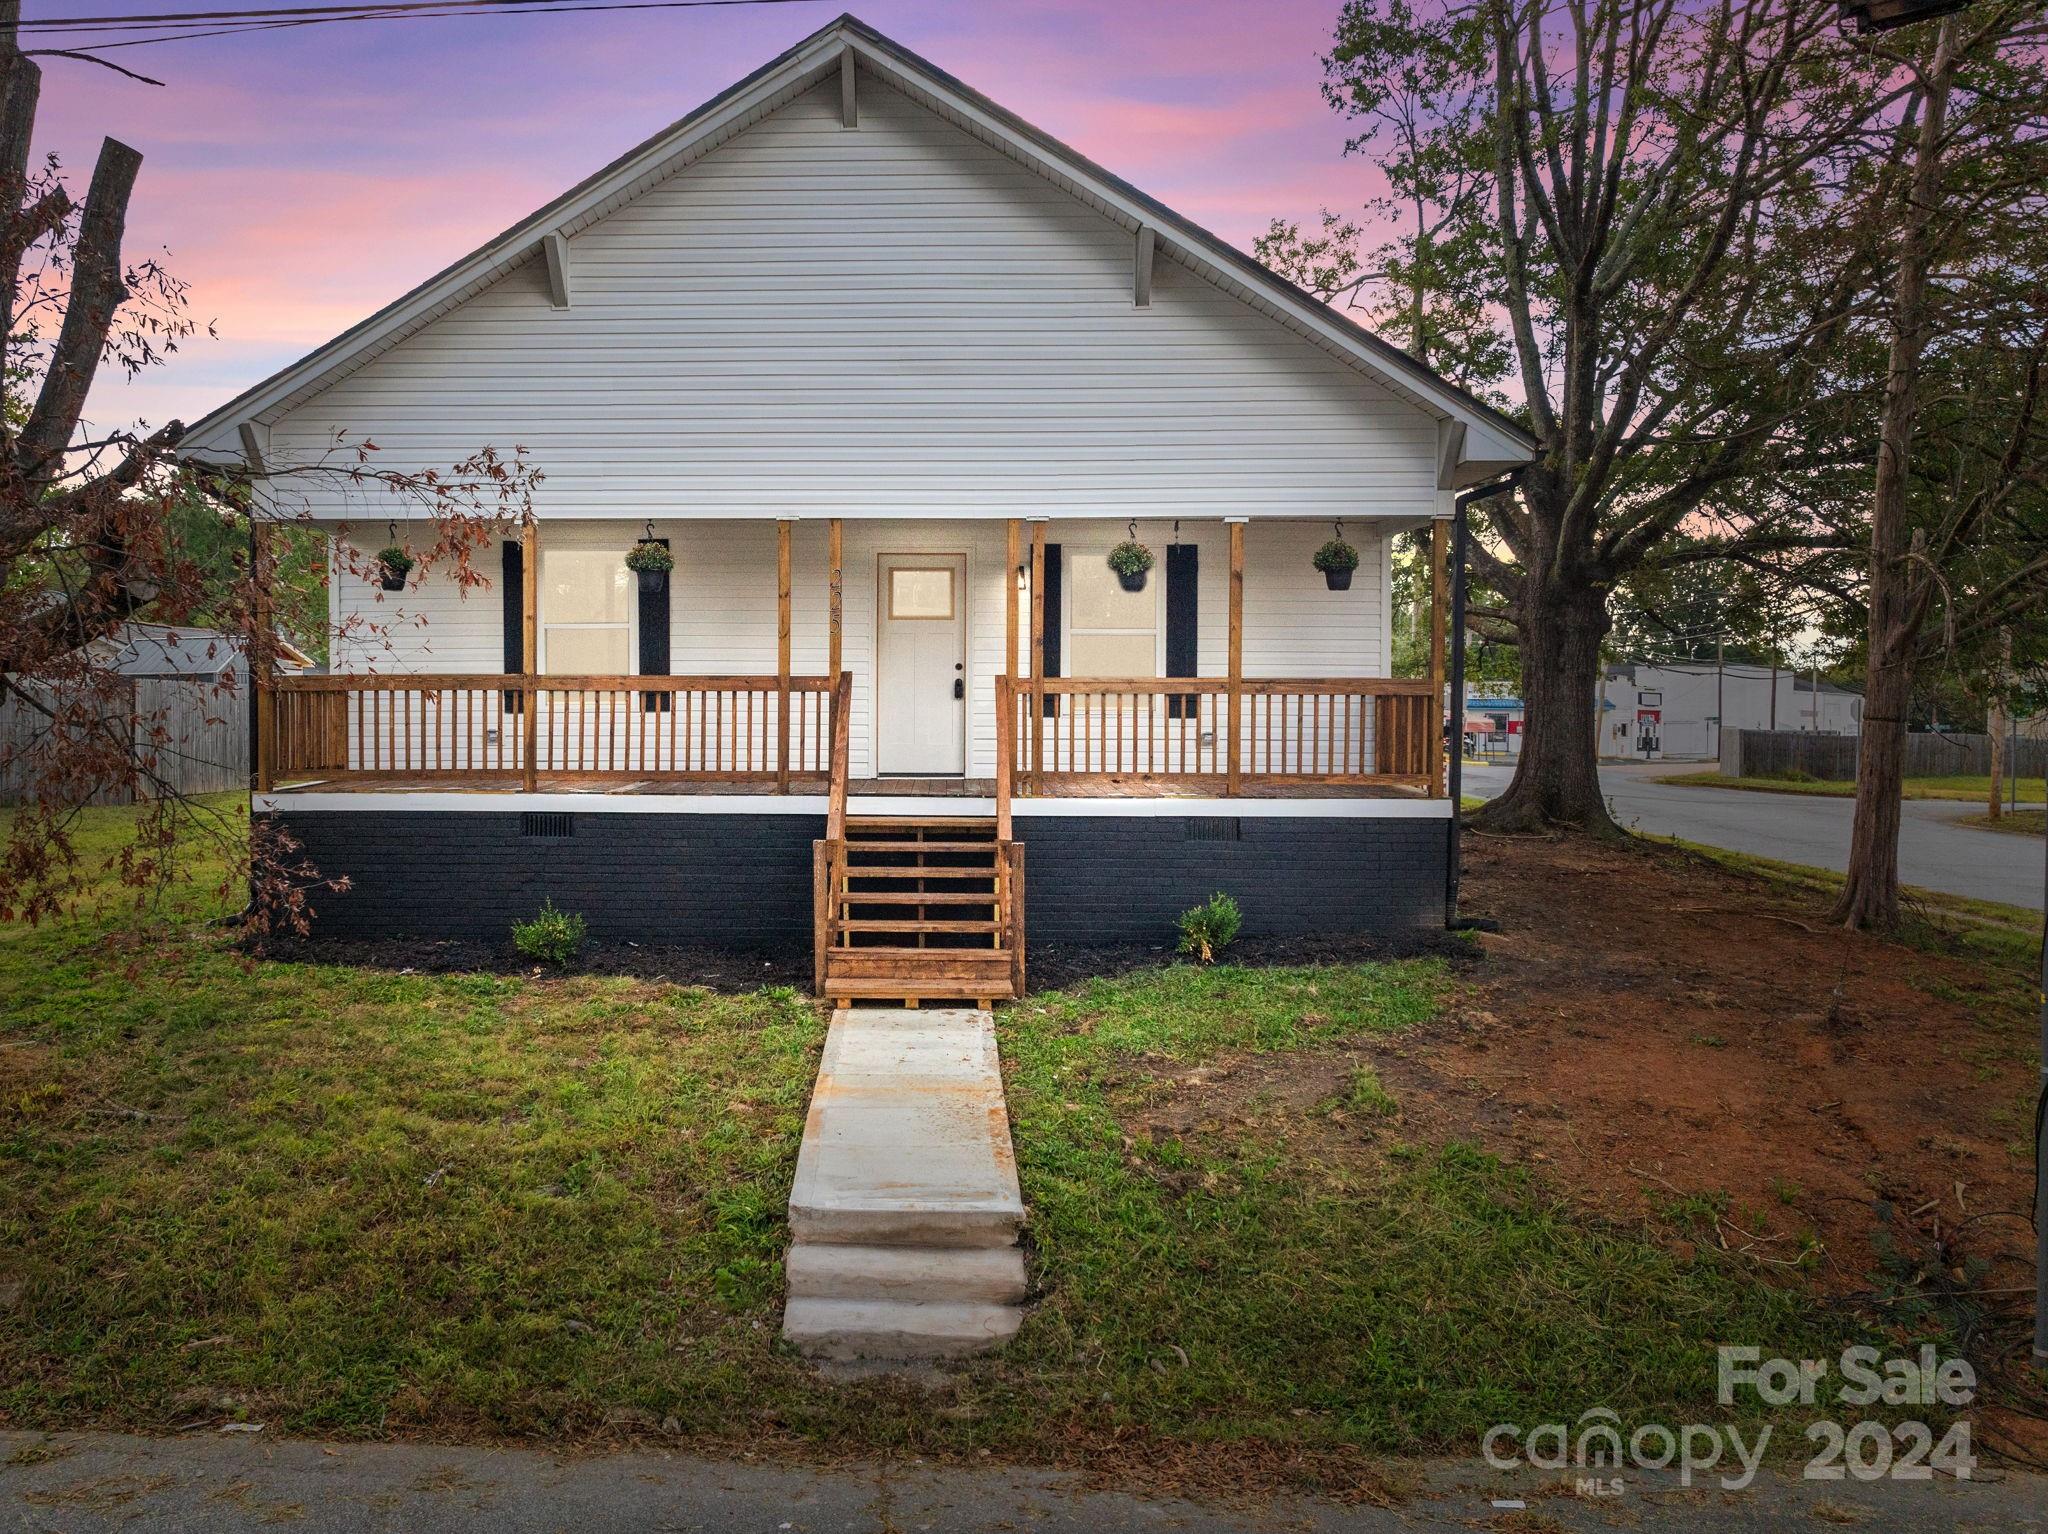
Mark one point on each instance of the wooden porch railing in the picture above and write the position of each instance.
(1085, 735)
(722, 729)
(1109, 736)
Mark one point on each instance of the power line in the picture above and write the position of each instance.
(189, 26)
(159, 18)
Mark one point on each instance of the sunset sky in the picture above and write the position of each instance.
(304, 177)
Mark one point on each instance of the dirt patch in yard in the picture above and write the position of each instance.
(1655, 1027)
(1664, 1039)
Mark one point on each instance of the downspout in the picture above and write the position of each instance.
(1461, 548)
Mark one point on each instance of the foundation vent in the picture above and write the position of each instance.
(1212, 828)
(547, 825)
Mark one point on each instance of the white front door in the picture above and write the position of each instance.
(920, 665)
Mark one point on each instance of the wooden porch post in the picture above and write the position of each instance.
(1037, 653)
(530, 653)
(782, 655)
(1234, 702)
(1439, 541)
(261, 661)
(1006, 690)
(835, 550)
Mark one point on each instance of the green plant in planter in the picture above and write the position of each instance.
(1131, 560)
(553, 937)
(650, 558)
(652, 562)
(393, 566)
(1207, 929)
(1336, 559)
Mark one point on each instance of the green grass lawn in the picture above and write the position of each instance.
(352, 1202)
(1965, 787)
(2012, 822)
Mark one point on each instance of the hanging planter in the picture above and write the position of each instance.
(652, 562)
(1132, 562)
(393, 566)
(1336, 559)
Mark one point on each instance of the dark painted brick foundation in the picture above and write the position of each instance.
(1113, 879)
(745, 880)
(717, 880)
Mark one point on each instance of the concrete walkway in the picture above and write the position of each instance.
(1934, 852)
(207, 1484)
(905, 1212)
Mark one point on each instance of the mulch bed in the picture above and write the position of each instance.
(1054, 966)
(1057, 966)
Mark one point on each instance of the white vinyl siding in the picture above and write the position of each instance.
(892, 321)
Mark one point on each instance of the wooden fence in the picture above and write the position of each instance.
(194, 735)
(1773, 753)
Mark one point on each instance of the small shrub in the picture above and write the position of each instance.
(1207, 929)
(1130, 558)
(1337, 556)
(649, 557)
(552, 937)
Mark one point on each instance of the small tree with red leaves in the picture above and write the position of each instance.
(88, 523)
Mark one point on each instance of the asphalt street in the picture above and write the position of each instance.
(208, 1483)
(1934, 851)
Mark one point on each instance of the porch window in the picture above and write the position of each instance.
(1111, 632)
(586, 612)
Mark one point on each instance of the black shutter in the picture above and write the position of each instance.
(513, 592)
(654, 639)
(1051, 639)
(1183, 562)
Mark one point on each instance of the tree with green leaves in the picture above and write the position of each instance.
(1627, 202)
(1956, 198)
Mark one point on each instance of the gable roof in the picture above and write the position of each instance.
(1476, 440)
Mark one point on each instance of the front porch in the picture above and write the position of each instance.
(916, 880)
(1020, 727)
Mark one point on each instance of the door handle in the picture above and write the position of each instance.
(959, 688)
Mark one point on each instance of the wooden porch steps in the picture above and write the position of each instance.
(920, 908)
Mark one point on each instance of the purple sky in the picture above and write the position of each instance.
(303, 178)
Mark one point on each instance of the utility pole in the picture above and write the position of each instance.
(1720, 690)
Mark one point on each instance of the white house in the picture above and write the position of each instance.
(1675, 710)
(889, 372)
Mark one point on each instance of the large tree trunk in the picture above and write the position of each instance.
(1557, 778)
(1870, 892)
(1994, 730)
(1870, 898)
